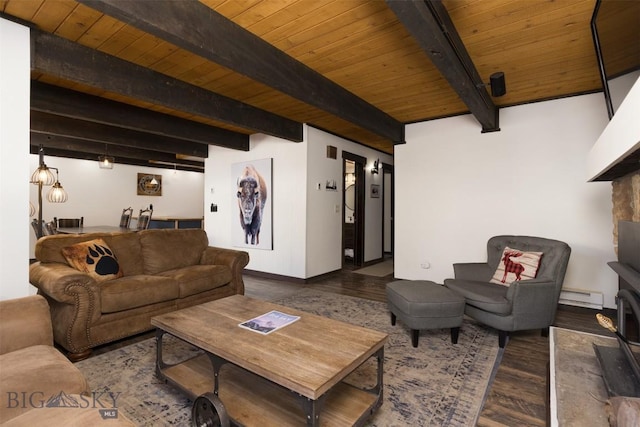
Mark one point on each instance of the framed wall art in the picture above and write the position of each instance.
(375, 191)
(149, 184)
(252, 224)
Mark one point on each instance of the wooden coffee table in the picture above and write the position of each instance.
(292, 376)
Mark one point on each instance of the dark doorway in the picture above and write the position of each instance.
(353, 210)
(387, 213)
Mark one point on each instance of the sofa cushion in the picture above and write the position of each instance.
(486, 296)
(199, 278)
(95, 258)
(127, 248)
(38, 373)
(164, 250)
(516, 265)
(49, 248)
(136, 291)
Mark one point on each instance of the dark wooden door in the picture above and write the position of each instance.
(353, 229)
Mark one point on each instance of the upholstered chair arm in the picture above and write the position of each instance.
(534, 302)
(480, 271)
(24, 322)
(236, 260)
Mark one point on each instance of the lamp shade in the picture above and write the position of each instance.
(106, 162)
(43, 175)
(57, 194)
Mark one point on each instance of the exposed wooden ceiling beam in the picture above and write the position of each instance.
(71, 61)
(62, 126)
(93, 149)
(54, 152)
(429, 23)
(68, 103)
(195, 27)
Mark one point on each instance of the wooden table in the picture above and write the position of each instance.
(95, 229)
(259, 378)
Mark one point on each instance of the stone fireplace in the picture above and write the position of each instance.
(626, 201)
(620, 366)
(626, 207)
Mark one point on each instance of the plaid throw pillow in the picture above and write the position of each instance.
(516, 265)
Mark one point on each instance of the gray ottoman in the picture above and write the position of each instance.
(422, 304)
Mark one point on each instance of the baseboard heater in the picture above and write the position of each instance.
(582, 298)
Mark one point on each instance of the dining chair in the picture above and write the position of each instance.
(68, 222)
(144, 219)
(49, 228)
(34, 225)
(125, 218)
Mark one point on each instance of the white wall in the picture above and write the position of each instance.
(620, 87)
(286, 198)
(15, 68)
(324, 208)
(307, 229)
(99, 195)
(456, 187)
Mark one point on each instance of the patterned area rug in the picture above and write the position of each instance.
(436, 384)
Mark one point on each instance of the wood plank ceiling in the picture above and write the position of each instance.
(158, 80)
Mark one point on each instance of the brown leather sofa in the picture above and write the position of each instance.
(38, 384)
(162, 271)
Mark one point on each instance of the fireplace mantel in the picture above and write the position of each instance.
(617, 151)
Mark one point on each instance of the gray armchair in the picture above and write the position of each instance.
(525, 304)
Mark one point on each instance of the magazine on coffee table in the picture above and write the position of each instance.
(269, 322)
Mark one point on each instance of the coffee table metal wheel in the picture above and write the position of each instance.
(208, 411)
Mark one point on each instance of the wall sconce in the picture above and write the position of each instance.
(105, 161)
(43, 176)
(375, 168)
(497, 83)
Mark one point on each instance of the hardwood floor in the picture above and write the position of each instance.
(518, 395)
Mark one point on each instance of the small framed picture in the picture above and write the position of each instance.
(149, 185)
(375, 191)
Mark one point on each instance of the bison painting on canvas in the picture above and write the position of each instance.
(252, 197)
